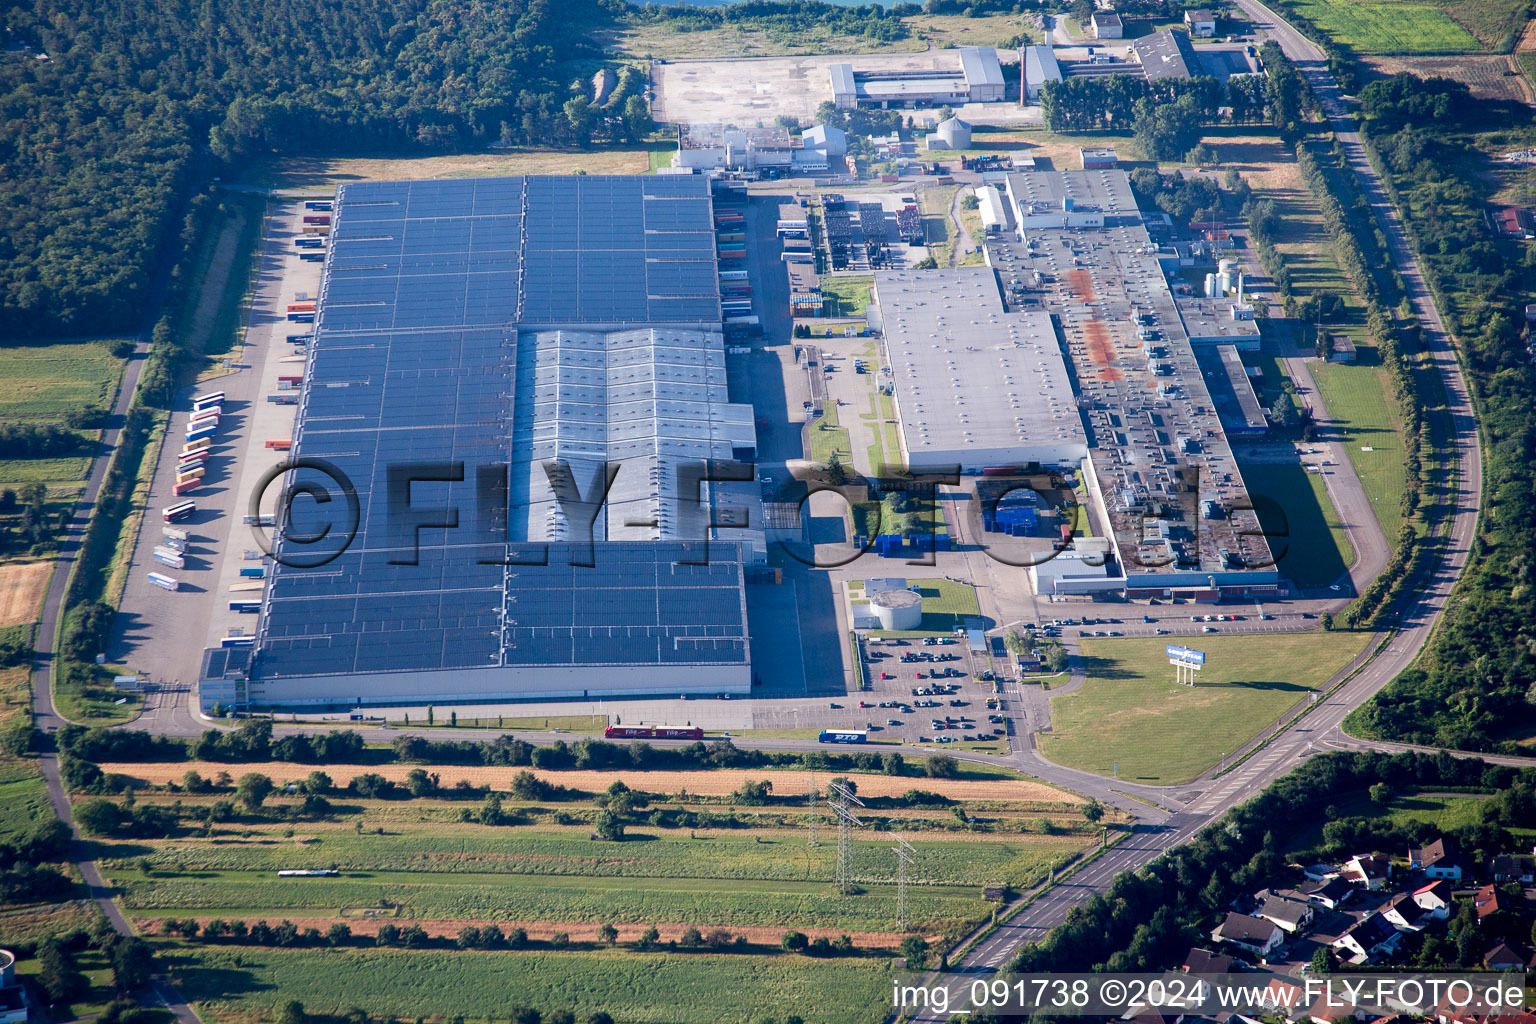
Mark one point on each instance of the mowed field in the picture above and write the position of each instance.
(1389, 26)
(1305, 536)
(328, 172)
(669, 40)
(1358, 396)
(22, 588)
(1486, 74)
(1132, 714)
(234, 983)
(43, 384)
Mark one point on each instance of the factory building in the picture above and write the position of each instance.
(1226, 378)
(830, 141)
(974, 385)
(711, 147)
(500, 342)
(1163, 485)
(1165, 54)
(1040, 66)
(1107, 25)
(977, 79)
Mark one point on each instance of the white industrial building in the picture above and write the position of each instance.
(977, 79)
(710, 147)
(974, 385)
(1040, 67)
(826, 139)
(996, 219)
(1042, 201)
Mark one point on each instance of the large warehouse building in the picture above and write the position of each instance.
(499, 341)
(978, 79)
(974, 385)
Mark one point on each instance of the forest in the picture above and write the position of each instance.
(1476, 684)
(107, 107)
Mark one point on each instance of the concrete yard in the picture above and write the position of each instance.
(754, 91)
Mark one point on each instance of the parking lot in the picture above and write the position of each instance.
(161, 635)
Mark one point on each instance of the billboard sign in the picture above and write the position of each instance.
(1187, 655)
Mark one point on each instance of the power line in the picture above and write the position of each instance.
(815, 815)
(839, 796)
(904, 856)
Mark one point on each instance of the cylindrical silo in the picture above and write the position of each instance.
(955, 133)
(898, 609)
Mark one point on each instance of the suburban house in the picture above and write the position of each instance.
(1512, 867)
(1490, 900)
(1367, 870)
(1504, 957)
(1106, 25)
(1434, 899)
(1439, 859)
(1292, 916)
(1201, 23)
(1203, 961)
(1370, 938)
(1405, 914)
(1254, 934)
(1331, 893)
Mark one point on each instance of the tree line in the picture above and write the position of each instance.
(1475, 684)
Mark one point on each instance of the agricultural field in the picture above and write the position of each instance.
(238, 983)
(1392, 26)
(675, 40)
(22, 588)
(45, 384)
(1357, 395)
(686, 858)
(1305, 534)
(1132, 714)
(1487, 75)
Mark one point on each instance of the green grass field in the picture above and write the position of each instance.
(846, 296)
(1396, 26)
(23, 798)
(1130, 712)
(828, 437)
(1359, 395)
(1305, 537)
(658, 988)
(1443, 810)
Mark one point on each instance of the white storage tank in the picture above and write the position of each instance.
(7, 968)
(1227, 265)
(898, 609)
(1210, 286)
(955, 133)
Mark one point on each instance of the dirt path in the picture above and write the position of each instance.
(701, 783)
(761, 935)
(22, 586)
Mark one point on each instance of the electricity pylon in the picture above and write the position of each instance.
(904, 855)
(839, 797)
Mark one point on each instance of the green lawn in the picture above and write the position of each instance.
(1130, 712)
(1443, 810)
(655, 988)
(846, 296)
(1305, 536)
(1358, 395)
(23, 798)
(828, 437)
(922, 515)
(1396, 26)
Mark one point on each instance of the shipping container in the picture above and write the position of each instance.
(175, 534)
(317, 204)
(190, 473)
(308, 242)
(312, 257)
(279, 444)
(317, 218)
(195, 431)
(301, 318)
(238, 641)
(300, 339)
(291, 378)
(172, 513)
(247, 607)
(208, 415)
(307, 306)
(186, 459)
(186, 488)
(253, 572)
(208, 398)
(200, 444)
(283, 399)
(163, 581)
(179, 546)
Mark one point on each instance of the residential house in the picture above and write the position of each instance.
(1106, 25)
(1490, 900)
(1435, 899)
(1331, 893)
(1512, 867)
(1504, 957)
(1293, 916)
(1439, 859)
(1370, 871)
(1254, 934)
(1200, 22)
(1203, 961)
(1370, 938)
(1405, 914)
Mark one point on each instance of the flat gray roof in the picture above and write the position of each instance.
(1208, 319)
(1165, 54)
(706, 135)
(1141, 388)
(968, 374)
(1227, 380)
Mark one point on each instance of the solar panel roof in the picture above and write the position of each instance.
(416, 363)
